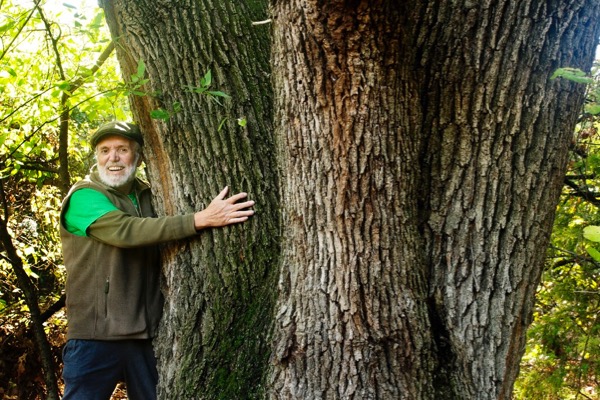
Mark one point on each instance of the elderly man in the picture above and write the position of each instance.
(110, 235)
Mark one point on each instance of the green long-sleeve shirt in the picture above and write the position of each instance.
(91, 214)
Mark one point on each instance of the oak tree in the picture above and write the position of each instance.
(415, 151)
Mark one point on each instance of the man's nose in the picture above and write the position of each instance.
(113, 155)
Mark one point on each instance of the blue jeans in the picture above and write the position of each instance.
(92, 369)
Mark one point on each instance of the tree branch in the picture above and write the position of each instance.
(19, 32)
(53, 309)
(583, 192)
(29, 291)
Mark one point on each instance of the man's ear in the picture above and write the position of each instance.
(140, 160)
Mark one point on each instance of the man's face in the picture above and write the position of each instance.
(118, 159)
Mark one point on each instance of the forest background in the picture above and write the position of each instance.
(59, 80)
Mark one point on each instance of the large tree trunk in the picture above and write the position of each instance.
(423, 148)
(352, 317)
(498, 131)
(218, 287)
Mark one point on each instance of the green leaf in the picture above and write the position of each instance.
(195, 89)
(593, 109)
(160, 114)
(242, 122)
(594, 253)
(221, 124)
(64, 87)
(7, 26)
(206, 80)
(218, 93)
(572, 74)
(97, 22)
(30, 273)
(592, 233)
(141, 69)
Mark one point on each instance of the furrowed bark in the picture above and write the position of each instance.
(352, 318)
(217, 317)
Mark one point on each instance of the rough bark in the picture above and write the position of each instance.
(352, 316)
(498, 131)
(218, 287)
(423, 148)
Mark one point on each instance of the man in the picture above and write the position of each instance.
(110, 236)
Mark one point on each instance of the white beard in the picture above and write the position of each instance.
(115, 181)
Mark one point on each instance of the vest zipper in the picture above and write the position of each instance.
(138, 206)
(106, 289)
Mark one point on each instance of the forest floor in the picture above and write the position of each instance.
(21, 376)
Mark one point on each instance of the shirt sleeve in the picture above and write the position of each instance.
(85, 207)
(120, 229)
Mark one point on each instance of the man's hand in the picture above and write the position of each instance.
(222, 211)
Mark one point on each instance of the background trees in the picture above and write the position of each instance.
(52, 91)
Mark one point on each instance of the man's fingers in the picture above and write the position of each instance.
(241, 206)
(236, 197)
(237, 220)
(240, 215)
(244, 213)
(223, 193)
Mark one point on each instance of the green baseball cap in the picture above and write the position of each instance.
(125, 129)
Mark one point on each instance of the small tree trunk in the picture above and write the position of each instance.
(31, 299)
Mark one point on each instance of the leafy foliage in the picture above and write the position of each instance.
(57, 82)
(202, 88)
(572, 74)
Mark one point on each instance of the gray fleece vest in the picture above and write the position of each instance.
(112, 293)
